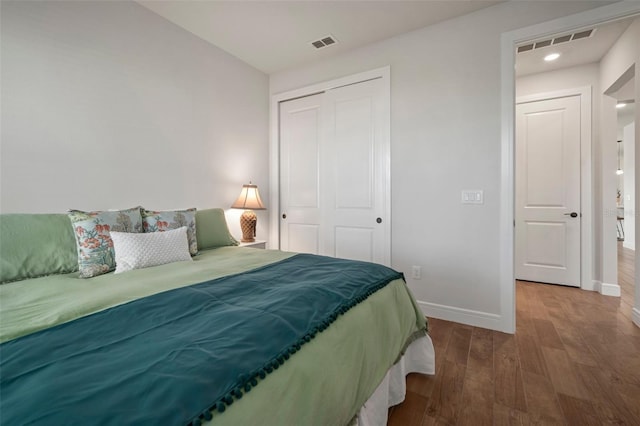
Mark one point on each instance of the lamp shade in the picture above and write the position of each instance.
(249, 198)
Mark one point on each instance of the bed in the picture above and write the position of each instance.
(64, 358)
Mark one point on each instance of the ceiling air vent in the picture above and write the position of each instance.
(562, 39)
(556, 40)
(525, 48)
(582, 34)
(324, 42)
(543, 43)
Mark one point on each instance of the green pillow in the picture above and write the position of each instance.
(35, 245)
(212, 230)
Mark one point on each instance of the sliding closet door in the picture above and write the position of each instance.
(356, 155)
(300, 139)
(334, 173)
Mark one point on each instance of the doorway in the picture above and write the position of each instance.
(626, 190)
(509, 43)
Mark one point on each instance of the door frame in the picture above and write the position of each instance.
(586, 164)
(383, 73)
(508, 42)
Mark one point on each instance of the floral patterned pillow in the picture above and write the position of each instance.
(95, 247)
(158, 221)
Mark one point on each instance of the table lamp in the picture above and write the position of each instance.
(249, 200)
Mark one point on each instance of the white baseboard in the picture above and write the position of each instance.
(635, 316)
(463, 316)
(610, 290)
(628, 245)
(607, 289)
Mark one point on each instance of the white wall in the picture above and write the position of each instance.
(629, 142)
(445, 137)
(620, 64)
(566, 78)
(108, 105)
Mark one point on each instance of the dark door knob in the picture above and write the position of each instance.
(572, 214)
(379, 220)
(284, 216)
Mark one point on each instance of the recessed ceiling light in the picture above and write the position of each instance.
(551, 57)
(621, 105)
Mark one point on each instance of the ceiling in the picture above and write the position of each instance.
(572, 53)
(277, 35)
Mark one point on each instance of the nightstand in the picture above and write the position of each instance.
(259, 244)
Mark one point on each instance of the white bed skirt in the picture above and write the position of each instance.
(418, 358)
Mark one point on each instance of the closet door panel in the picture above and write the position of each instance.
(300, 139)
(355, 149)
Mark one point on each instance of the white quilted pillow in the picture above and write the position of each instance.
(136, 251)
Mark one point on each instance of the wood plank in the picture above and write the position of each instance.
(422, 384)
(480, 361)
(505, 416)
(576, 348)
(508, 387)
(610, 406)
(414, 409)
(580, 411)
(530, 354)
(561, 373)
(447, 392)
(458, 348)
(547, 334)
(477, 402)
(542, 403)
(435, 421)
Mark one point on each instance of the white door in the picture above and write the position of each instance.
(334, 153)
(548, 191)
(300, 138)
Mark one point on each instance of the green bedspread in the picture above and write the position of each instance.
(325, 383)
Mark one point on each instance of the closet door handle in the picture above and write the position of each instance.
(572, 214)
(379, 220)
(284, 215)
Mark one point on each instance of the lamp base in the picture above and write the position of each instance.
(248, 221)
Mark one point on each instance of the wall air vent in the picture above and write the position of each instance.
(324, 42)
(556, 40)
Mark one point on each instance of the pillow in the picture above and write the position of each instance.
(158, 221)
(93, 238)
(35, 245)
(136, 251)
(212, 230)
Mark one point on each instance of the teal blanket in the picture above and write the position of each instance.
(182, 355)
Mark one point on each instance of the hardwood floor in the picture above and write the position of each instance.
(574, 360)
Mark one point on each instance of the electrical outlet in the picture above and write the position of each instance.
(416, 272)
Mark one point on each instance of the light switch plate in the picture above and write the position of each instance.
(472, 196)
